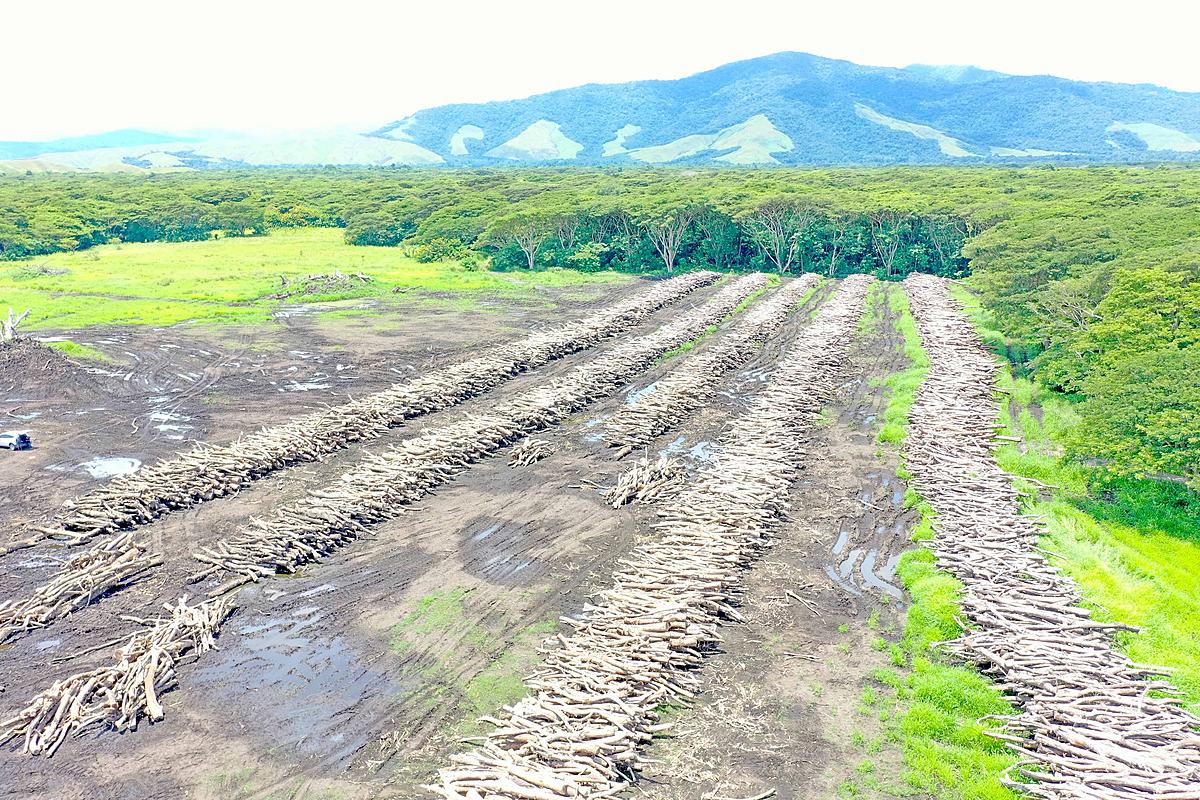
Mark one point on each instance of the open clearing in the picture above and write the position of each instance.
(442, 545)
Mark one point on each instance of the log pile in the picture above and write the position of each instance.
(207, 472)
(120, 694)
(530, 451)
(336, 281)
(84, 578)
(592, 707)
(382, 484)
(1093, 724)
(646, 481)
(695, 381)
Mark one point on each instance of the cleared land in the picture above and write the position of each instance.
(764, 599)
(232, 280)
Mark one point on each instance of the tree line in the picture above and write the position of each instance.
(1091, 276)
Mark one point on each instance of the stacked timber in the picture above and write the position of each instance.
(694, 383)
(209, 471)
(382, 484)
(1092, 723)
(121, 694)
(591, 709)
(646, 481)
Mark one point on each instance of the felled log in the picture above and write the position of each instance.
(592, 708)
(1092, 724)
(124, 692)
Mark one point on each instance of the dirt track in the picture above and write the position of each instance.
(357, 676)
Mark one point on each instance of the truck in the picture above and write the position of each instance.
(15, 440)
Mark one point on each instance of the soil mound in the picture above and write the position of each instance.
(31, 369)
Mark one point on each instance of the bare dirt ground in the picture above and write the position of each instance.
(787, 706)
(359, 676)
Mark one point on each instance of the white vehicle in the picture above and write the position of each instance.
(15, 440)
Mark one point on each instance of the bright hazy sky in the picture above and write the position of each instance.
(84, 67)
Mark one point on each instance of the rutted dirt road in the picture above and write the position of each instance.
(358, 676)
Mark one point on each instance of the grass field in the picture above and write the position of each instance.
(228, 280)
(1132, 546)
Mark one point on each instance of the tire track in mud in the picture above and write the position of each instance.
(863, 559)
(774, 716)
(534, 409)
(592, 706)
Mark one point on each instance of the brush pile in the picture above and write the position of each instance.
(592, 706)
(530, 451)
(83, 579)
(207, 472)
(646, 481)
(333, 283)
(120, 694)
(382, 484)
(1093, 724)
(694, 382)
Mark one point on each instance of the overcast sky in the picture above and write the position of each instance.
(83, 67)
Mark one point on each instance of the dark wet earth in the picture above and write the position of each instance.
(357, 677)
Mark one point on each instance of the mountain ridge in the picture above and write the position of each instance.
(785, 108)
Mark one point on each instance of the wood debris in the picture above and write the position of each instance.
(1092, 724)
(121, 694)
(591, 708)
(336, 281)
(645, 481)
(529, 451)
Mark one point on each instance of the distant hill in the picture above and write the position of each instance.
(794, 108)
(122, 138)
(787, 108)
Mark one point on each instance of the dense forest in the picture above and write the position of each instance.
(1092, 276)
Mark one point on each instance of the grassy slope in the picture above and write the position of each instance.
(1133, 547)
(225, 280)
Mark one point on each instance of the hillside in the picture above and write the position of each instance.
(787, 108)
(794, 108)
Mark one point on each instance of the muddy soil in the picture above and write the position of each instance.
(309, 676)
(787, 705)
(360, 675)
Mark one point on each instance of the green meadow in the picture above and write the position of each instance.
(227, 280)
(1132, 546)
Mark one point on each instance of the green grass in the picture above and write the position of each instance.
(933, 704)
(227, 280)
(499, 683)
(502, 681)
(77, 350)
(438, 611)
(902, 386)
(875, 295)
